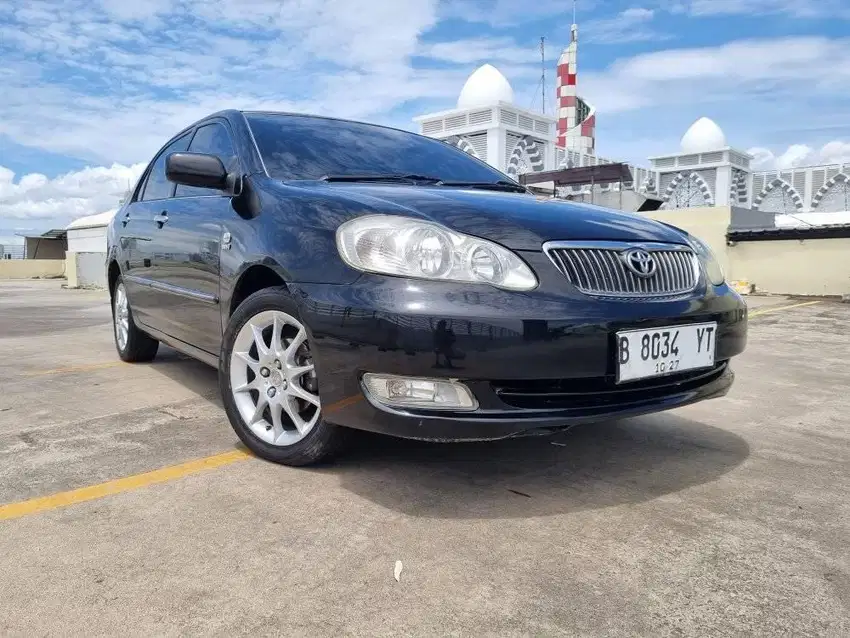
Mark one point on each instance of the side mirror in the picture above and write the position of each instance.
(196, 169)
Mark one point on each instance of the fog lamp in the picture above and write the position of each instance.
(412, 392)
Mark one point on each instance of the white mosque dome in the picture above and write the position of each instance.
(703, 135)
(485, 87)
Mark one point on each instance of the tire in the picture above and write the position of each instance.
(133, 345)
(275, 409)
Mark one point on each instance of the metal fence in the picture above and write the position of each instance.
(16, 251)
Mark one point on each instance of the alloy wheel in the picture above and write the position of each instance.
(121, 317)
(273, 379)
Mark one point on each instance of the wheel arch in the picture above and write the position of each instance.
(113, 271)
(254, 278)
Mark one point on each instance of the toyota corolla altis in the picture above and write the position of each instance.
(345, 275)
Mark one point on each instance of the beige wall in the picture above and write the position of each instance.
(29, 268)
(709, 223)
(793, 267)
(787, 267)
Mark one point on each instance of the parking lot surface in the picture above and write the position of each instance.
(728, 517)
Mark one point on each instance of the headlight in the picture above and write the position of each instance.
(713, 269)
(411, 248)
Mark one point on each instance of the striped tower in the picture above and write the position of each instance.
(574, 133)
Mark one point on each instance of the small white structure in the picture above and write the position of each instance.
(88, 234)
(86, 256)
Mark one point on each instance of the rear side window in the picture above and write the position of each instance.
(212, 139)
(157, 186)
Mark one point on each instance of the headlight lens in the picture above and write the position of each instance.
(713, 269)
(412, 248)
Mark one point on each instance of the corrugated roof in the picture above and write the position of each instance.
(53, 233)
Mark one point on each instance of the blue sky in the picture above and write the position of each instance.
(93, 87)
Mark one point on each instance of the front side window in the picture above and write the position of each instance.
(212, 139)
(303, 147)
(157, 186)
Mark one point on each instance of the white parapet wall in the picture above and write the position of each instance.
(86, 269)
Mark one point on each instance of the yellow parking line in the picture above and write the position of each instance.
(796, 305)
(80, 368)
(63, 499)
(92, 492)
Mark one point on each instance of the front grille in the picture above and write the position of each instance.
(600, 393)
(600, 268)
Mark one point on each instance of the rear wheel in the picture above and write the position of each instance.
(269, 384)
(132, 344)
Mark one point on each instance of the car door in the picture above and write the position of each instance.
(188, 239)
(135, 228)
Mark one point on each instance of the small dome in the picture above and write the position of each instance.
(485, 87)
(704, 135)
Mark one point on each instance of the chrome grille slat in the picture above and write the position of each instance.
(598, 268)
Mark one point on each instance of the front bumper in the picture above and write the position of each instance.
(535, 361)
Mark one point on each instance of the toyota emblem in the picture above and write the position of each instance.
(639, 262)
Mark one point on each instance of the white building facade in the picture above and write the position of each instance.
(705, 171)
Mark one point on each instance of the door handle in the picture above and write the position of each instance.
(161, 219)
(126, 219)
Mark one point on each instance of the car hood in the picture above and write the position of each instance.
(516, 220)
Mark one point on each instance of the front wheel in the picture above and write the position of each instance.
(269, 385)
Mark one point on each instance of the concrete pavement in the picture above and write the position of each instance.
(725, 518)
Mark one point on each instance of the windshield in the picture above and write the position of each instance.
(305, 147)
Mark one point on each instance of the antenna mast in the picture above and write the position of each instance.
(574, 11)
(543, 72)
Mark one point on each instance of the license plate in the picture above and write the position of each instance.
(642, 354)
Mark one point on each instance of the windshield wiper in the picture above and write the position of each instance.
(407, 178)
(500, 185)
(412, 178)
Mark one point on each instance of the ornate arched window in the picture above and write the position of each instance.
(834, 197)
(688, 191)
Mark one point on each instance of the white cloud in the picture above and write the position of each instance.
(107, 82)
(738, 70)
(631, 25)
(68, 196)
(834, 152)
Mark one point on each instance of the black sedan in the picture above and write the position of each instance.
(345, 275)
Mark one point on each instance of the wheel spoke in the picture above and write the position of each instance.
(251, 363)
(248, 386)
(301, 370)
(300, 338)
(299, 392)
(262, 348)
(277, 336)
(262, 402)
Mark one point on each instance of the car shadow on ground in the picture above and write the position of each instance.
(192, 374)
(589, 467)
